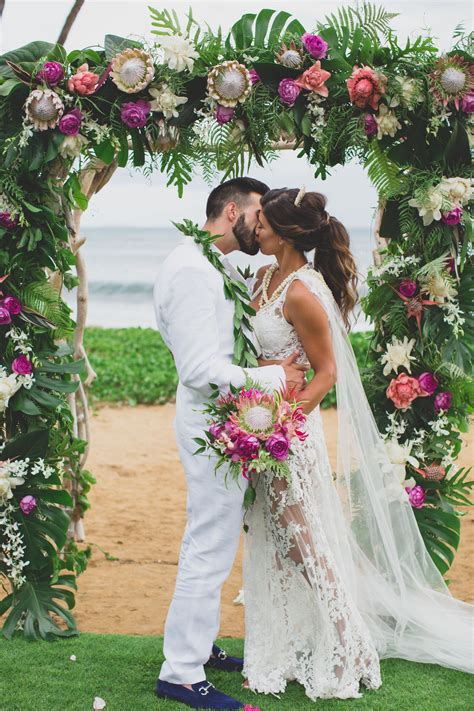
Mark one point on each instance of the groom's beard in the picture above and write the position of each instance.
(245, 236)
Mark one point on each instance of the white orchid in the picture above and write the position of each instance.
(165, 101)
(179, 52)
(400, 455)
(11, 475)
(398, 354)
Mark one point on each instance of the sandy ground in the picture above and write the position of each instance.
(138, 516)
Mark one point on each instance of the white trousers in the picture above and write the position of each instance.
(208, 550)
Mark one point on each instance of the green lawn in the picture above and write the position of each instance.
(39, 676)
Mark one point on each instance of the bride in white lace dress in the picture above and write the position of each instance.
(336, 574)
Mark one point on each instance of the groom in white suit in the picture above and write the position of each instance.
(196, 323)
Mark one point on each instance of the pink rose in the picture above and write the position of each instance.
(7, 221)
(403, 390)
(416, 496)
(215, 429)
(366, 87)
(467, 104)
(28, 504)
(428, 383)
(288, 91)
(443, 401)
(12, 304)
(52, 73)
(254, 77)
(248, 446)
(278, 446)
(134, 114)
(83, 82)
(370, 125)
(452, 217)
(70, 123)
(5, 317)
(313, 79)
(408, 288)
(22, 366)
(224, 114)
(315, 45)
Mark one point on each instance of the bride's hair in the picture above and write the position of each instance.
(308, 226)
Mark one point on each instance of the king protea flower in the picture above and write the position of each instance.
(132, 70)
(255, 413)
(44, 108)
(452, 79)
(229, 83)
(290, 57)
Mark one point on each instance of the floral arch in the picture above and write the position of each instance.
(197, 99)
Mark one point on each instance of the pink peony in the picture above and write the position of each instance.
(248, 446)
(443, 401)
(366, 87)
(51, 74)
(22, 366)
(7, 221)
(467, 103)
(83, 82)
(224, 114)
(403, 390)
(315, 45)
(254, 77)
(70, 123)
(134, 114)
(278, 446)
(28, 504)
(12, 304)
(5, 317)
(452, 217)
(313, 79)
(428, 383)
(370, 125)
(407, 288)
(288, 91)
(416, 496)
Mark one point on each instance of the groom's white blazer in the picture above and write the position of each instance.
(196, 323)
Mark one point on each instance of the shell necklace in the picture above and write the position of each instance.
(264, 299)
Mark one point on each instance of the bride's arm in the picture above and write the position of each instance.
(303, 310)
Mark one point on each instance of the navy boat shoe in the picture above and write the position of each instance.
(203, 696)
(222, 661)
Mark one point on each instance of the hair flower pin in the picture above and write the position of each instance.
(300, 196)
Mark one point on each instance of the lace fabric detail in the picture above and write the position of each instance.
(302, 621)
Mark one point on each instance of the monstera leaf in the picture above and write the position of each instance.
(441, 531)
(267, 29)
(29, 54)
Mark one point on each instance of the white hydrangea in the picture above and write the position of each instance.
(178, 52)
(398, 354)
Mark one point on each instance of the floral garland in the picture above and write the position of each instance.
(245, 354)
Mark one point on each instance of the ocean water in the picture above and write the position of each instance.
(123, 264)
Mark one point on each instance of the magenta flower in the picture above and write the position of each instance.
(7, 221)
(443, 401)
(416, 496)
(370, 125)
(224, 114)
(51, 74)
(428, 383)
(70, 123)
(452, 217)
(451, 266)
(408, 288)
(254, 77)
(28, 504)
(315, 45)
(288, 91)
(134, 114)
(467, 103)
(12, 304)
(215, 429)
(5, 317)
(248, 446)
(22, 366)
(278, 446)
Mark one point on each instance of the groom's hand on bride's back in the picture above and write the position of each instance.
(294, 372)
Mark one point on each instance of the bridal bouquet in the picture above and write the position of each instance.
(252, 430)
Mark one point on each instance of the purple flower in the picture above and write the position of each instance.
(408, 288)
(254, 77)
(453, 217)
(467, 104)
(22, 366)
(416, 496)
(215, 429)
(443, 401)
(428, 383)
(370, 125)
(315, 45)
(278, 446)
(248, 446)
(7, 221)
(134, 114)
(12, 304)
(224, 114)
(451, 266)
(5, 317)
(70, 123)
(288, 91)
(28, 504)
(52, 73)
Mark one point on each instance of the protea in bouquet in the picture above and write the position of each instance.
(251, 431)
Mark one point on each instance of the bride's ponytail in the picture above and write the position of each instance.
(307, 226)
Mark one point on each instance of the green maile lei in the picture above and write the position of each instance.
(245, 354)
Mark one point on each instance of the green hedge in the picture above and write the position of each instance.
(134, 366)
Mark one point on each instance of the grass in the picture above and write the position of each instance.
(135, 367)
(122, 670)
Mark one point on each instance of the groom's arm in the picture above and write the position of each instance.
(193, 334)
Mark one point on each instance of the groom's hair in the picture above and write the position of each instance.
(235, 190)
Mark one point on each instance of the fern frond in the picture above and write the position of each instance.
(386, 176)
(372, 19)
(41, 298)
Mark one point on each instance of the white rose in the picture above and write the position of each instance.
(457, 190)
(179, 53)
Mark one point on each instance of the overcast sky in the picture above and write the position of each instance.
(130, 199)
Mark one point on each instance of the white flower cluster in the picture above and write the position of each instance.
(165, 101)
(318, 115)
(9, 385)
(20, 339)
(387, 122)
(438, 119)
(439, 425)
(394, 427)
(448, 194)
(398, 355)
(394, 266)
(453, 316)
(13, 550)
(40, 467)
(99, 132)
(407, 92)
(178, 52)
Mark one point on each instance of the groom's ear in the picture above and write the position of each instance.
(231, 211)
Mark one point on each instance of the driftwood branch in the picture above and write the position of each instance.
(70, 19)
(2, 7)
